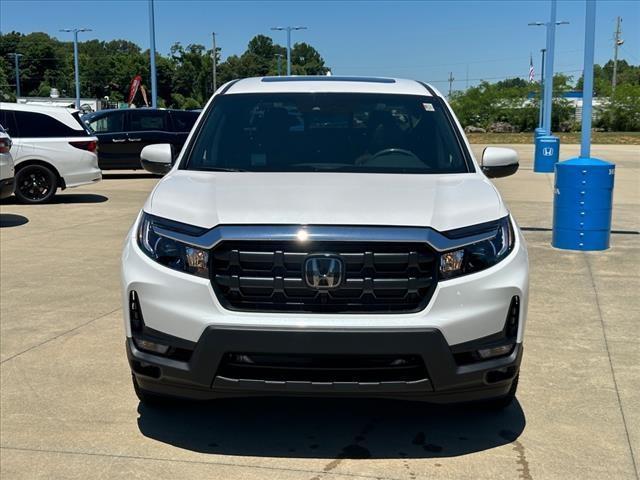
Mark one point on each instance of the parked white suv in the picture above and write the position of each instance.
(326, 236)
(7, 170)
(52, 148)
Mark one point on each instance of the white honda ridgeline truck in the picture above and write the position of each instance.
(326, 236)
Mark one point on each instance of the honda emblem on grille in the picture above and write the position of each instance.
(323, 272)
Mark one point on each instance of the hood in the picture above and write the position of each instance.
(207, 199)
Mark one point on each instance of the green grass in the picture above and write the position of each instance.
(604, 138)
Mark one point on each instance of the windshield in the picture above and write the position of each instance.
(328, 132)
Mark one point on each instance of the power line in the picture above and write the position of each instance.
(414, 65)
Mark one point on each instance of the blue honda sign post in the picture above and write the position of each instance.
(547, 147)
(583, 194)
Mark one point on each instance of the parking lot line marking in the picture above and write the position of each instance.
(77, 327)
(196, 462)
(613, 373)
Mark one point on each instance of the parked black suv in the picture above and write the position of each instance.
(122, 134)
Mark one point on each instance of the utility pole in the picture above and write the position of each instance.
(451, 79)
(16, 57)
(75, 58)
(467, 78)
(617, 42)
(214, 57)
(542, 50)
(152, 55)
(279, 57)
(288, 30)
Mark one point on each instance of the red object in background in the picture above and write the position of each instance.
(133, 88)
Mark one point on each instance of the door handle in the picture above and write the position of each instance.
(135, 139)
(117, 140)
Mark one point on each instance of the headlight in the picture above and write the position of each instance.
(480, 255)
(168, 252)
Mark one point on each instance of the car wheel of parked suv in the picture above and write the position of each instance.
(35, 184)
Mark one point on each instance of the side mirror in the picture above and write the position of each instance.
(157, 159)
(499, 162)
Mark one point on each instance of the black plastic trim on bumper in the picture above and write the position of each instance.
(7, 186)
(197, 378)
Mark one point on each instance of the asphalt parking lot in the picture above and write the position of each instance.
(68, 409)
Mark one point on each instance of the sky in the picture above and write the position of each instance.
(424, 40)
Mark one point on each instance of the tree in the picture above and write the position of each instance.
(305, 60)
(184, 76)
(514, 101)
(622, 113)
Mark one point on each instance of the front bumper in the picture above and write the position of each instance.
(7, 187)
(445, 382)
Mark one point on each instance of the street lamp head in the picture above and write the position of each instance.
(564, 22)
(536, 24)
(277, 28)
(298, 28)
(76, 30)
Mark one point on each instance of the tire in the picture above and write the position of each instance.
(35, 184)
(148, 399)
(500, 403)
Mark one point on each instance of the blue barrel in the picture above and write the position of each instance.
(538, 132)
(547, 153)
(582, 204)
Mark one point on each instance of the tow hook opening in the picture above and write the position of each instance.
(500, 374)
(145, 369)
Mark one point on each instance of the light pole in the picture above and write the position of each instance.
(75, 58)
(548, 85)
(587, 76)
(16, 57)
(279, 57)
(542, 50)
(214, 57)
(152, 55)
(584, 224)
(288, 30)
(547, 146)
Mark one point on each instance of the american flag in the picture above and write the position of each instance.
(532, 72)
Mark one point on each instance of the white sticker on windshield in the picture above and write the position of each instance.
(428, 107)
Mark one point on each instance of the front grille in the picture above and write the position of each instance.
(378, 277)
(323, 368)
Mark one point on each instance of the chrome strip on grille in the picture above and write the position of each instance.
(302, 233)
